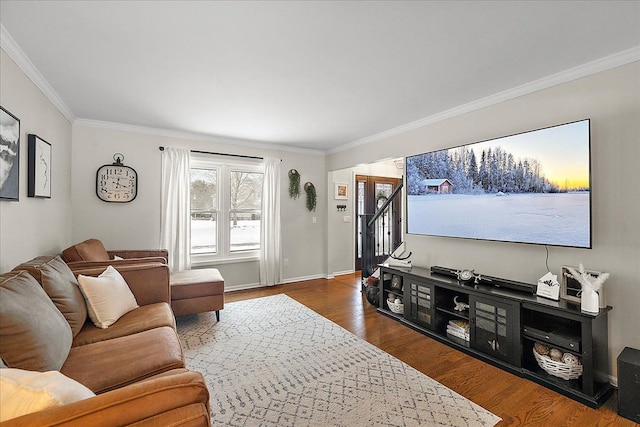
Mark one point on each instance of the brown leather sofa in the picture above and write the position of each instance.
(192, 291)
(135, 367)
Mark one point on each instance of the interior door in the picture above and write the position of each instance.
(371, 193)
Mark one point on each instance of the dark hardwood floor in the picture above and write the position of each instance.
(516, 400)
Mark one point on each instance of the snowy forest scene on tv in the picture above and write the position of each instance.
(532, 187)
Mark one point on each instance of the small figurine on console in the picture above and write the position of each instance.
(460, 306)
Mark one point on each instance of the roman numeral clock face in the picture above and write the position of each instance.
(116, 183)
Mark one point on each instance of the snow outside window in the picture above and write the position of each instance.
(226, 209)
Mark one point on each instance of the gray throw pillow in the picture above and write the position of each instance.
(34, 335)
(62, 287)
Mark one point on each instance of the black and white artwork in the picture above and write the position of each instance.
(9, 155)
(39, 178)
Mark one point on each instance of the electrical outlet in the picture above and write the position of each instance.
(286, 262)
(314, 219)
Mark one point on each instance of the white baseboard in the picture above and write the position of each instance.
(304, 278)
(245, 286)
(340, 273)
(241, 287)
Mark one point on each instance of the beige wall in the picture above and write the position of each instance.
(611, 99)
(137, 224)
(33, 226)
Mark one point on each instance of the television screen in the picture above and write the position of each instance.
(532, 187)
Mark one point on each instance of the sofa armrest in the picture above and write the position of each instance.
(182, 397)
(140, 253)
(148, 282)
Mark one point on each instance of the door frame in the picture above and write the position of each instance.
(370, 208)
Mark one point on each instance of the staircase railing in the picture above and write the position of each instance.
(378, 240)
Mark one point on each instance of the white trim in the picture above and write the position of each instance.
(342, 273)
(599, 65)
(303, 279)
(10, 46)
(194, 136)
(240, 287)
(224, 169)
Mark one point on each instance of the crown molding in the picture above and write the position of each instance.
(194, 136)
(599, 65)
(10, 46)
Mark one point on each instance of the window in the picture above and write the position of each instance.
(204, 210)
(226, 209)
(245, 210)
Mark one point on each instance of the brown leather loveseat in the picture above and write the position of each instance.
(135, 367)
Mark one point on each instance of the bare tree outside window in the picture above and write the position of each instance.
(245, 212)
(204, 210)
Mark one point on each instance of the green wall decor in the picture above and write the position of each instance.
(294, 184)
(310, 189)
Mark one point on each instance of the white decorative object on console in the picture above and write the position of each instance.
(591, 287)
(548, 286)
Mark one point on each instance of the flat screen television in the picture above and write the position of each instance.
(532, 187)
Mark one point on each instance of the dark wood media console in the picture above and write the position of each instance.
(504, 324)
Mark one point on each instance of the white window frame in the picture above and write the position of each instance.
(225, 165)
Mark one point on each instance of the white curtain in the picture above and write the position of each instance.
(175, 227)
(270, 227)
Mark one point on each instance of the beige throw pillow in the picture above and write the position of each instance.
(23, 392)
(108, 297)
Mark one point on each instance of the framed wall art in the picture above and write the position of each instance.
(9, 156)
(39, 177)
(341, 191)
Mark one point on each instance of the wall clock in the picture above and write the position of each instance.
(116, 182)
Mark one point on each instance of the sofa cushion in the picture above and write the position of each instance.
(61, 285)
(89, 250)
(141, 319)
(139, 356)
(108, 297)
(33, 333)
(23, 392)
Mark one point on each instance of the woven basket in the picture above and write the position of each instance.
(558, 369)
(396, 308)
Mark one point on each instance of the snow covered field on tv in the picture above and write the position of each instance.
(544, 218)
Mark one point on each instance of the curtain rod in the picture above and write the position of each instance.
(222, 154)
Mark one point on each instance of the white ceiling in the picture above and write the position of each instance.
(311, 75)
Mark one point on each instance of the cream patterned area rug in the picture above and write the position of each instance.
(273, 362)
